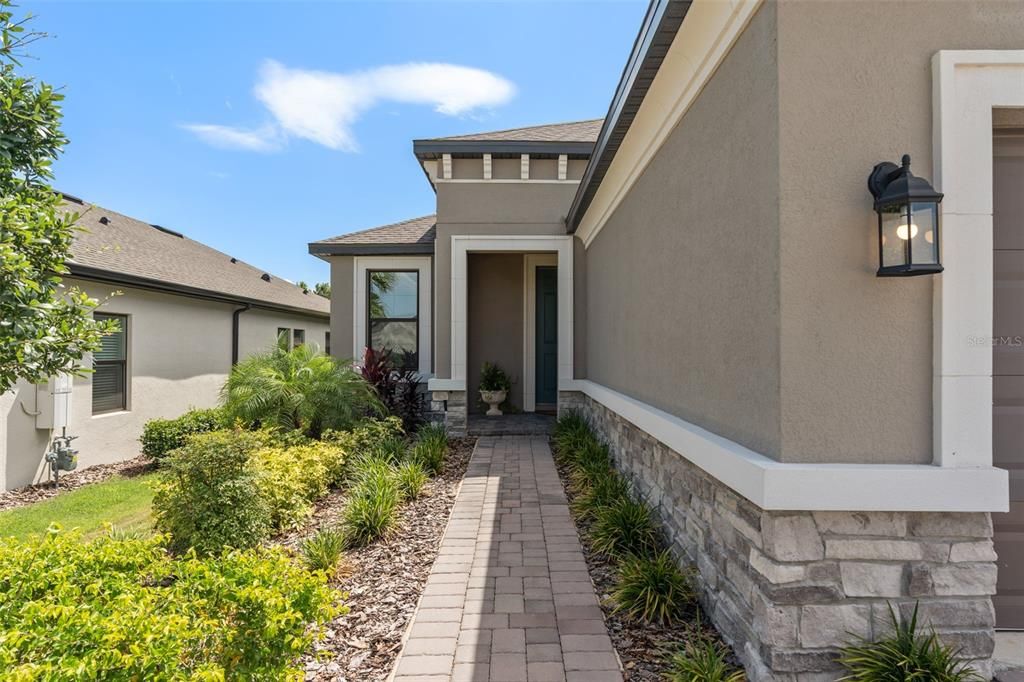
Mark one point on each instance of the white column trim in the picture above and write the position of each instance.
(530, 263)
(422, 264)
(966, 86)
(815, 487)
(461, 247)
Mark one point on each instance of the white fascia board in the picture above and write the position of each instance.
(776, 485)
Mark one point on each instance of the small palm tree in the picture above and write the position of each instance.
(300, 389)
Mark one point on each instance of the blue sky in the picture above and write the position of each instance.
(258, 127)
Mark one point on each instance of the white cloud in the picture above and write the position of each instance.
(266, 138)
(322, 107)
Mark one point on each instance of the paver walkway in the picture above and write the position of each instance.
(509, 598)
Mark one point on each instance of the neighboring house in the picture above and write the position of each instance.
(186, 312)
(697, 274)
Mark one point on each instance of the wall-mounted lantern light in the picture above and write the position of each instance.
(908, 221)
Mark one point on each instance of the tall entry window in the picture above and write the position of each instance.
(393, 311)
(110, 368)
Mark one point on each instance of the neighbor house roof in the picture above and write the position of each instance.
(122, 250)
(415, 235)
(661, 23)
(575, 137)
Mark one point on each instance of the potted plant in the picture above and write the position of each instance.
(494, 387)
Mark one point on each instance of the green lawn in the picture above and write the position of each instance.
(124, 502)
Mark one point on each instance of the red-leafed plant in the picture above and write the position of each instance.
(397, 386)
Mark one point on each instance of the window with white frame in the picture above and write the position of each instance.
(392, 307)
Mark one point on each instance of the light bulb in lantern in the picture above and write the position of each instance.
(901, 231)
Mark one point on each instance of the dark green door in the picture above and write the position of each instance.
(547, 336)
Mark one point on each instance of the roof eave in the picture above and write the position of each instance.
(113, 277)
(383, 249)
(431, 149)
(661, 23)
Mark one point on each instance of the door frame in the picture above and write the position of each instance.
(531, 261)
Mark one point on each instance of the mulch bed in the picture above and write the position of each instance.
(643, 647)
(383, 581)
(21, 497)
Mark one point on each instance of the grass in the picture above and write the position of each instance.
(125, 502)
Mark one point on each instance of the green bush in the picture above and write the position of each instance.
(160, 436)
(127, 610)
(906, 654)
(624, 527)
(391, 450)
(410, 478)
(602, 491)
(431, 448)
(324, 551)
(572, 434)
(373, 506)
(209, 497)
(651, 588)
(300, 389)
(290, 479)
(703, 659)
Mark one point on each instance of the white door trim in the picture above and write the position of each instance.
(530, 263)
(419, 263)
(461, 247)
(966, 86)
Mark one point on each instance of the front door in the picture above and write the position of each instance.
(1008, 371)
(547, 338)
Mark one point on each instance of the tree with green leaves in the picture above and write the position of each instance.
(45, 326)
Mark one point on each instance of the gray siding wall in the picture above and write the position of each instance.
(682, 283)
(342, 313)
(495, 305)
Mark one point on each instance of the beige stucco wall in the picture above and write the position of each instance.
(682, 308)
(855, 88)
(481, 209)
(178, 357)
(342, 312)
(495, 305)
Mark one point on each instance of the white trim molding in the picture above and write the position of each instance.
(966, 86)
(780, 486)
(422, 264)
(461, 247)
(703, 41)
(530, 263)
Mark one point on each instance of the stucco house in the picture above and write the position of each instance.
(186, 313)
(698, 272)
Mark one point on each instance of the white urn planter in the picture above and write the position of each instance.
(493, 400)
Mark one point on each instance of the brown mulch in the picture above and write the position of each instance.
(383, 581)
(21, 497)
(643, 648)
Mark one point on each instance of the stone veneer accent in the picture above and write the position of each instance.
(786, 589)
(450, 408)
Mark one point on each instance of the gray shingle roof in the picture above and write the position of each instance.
(415, 235)
(134, 250)
(574, 131)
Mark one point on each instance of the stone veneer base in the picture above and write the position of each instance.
(451, 409)
(789, 589)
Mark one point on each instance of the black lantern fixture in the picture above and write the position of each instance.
(908, 221)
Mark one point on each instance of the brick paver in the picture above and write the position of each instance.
(509, 598)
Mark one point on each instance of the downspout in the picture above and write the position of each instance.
(234, 332)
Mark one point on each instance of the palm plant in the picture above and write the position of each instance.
(300, 389)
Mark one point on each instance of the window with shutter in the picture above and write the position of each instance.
(110, 368)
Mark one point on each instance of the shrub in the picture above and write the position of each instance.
(590, 464)
(323, 551)
(906, 654)
(391, 450)
(127, 610)
(651, 588)
(209, 498)
(494, 378)
(397, 385)
(290, 479)
(365, 437)
(410, 478)
(623, 528)
(602, 491)
(373, 507)
(572, 434)
(431, 448)
(300, 389)
(160, 436)
(703, 659)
